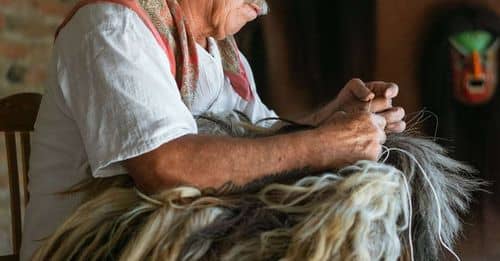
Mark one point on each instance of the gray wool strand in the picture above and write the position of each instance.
(361, 212)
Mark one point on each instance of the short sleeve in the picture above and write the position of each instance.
(120, 93)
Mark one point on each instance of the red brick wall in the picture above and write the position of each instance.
(26, 34)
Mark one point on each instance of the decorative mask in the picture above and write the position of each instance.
(474, 59)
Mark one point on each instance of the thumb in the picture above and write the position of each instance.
(360, 90)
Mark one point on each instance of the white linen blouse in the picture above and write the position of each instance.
(111, 97)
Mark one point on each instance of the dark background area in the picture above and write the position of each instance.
(305, 51)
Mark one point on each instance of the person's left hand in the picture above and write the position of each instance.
(375, 97)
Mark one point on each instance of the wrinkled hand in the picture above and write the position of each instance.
(350, 137)
(375, 97)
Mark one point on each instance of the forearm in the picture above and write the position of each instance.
(210, 161)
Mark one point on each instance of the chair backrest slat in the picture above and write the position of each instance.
(15, 196)
(18, 112)
(25, 152)
(17, 115)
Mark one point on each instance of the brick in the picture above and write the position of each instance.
(36, 75)
(39, 54)
(29, 25)
(52, 7)
(36, 30)
(17, 6)
(2, 21)
(13, 51)
(4, 183)
(6, 2)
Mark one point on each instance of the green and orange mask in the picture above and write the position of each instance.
(474, 59)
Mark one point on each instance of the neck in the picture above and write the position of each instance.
(196, 19)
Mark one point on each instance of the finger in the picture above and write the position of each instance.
(383, 138)
(384, 89)
(359, 90)
(393, 115)
(392, 91)
(379, 152)
(380, 121)
(358, 106)
(396, 127)
(380, 104)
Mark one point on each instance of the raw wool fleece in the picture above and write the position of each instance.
(360, 213)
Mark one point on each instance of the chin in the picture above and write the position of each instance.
(229, 31)
(236, 29)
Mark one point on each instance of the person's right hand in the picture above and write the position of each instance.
(348, 138)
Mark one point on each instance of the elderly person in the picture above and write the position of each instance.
(128, 77)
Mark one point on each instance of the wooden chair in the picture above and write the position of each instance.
(17, 115)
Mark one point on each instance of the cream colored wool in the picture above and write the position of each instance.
(366, 198)
(360, 213)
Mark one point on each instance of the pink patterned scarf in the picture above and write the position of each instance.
(166, 21)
